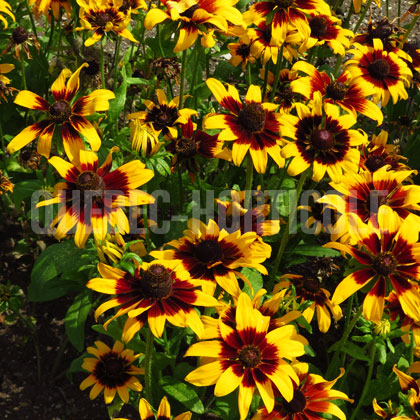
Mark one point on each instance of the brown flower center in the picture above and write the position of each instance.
(252, 117)
(373, 163)
(284, 4)
(312, 284)
(318, 26)
(186, 147)
(162, 117)
(250, 356)
(379, 69)
(156, 282)
(383, 30)
(190, 12)
(90, 181)
(384, 263)
(60, 111)
(208, 251)
(111, 370)
(243, 51)
(298, 403)
(336, 90)
(322, 139)
(376, 200)
(102, 19)
(19, 35)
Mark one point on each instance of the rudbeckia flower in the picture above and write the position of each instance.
(158, 291)
(410, 386)
(111, 370)
(196, 17)
(362, 195)
(213, 255)
(378, 154)
(321, 140)
(342, 91)
(102, 16)
(379, 73)
(389, 256)
(92, 197)
(308, 288)
(287, 16)
(326, 29)
(194, 143)
(241, 52)
(163, 413)
(20, 39)
(144, 138)
(312, 398)
(5, 184)
(252, 126)
(6, 9)
(62, 111)
(164, 116)
(4, 81)
(357, 4)
(248, 356)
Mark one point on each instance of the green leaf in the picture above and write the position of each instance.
(313, 250)
(117, 104)
(55, 272)
(25, 189)
(184, 393)
(381, 349)
(76, 318)
(255, 278)
(355, 351)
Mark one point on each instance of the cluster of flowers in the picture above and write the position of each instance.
(306, 121)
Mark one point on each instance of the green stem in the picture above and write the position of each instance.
(387, 8)
(350, 12)
(248, 181)
(51, 36)
(264, 90)
(337, 65)
(249, 73)
(102, 62)
(412, 346)
(367, 380)
(197, 52)
(343, 341)
(277, 73)
(148, 362)
(362, 16)
(181, 191)
(22, 65)
(291, 219)
(32, 20)
(116, 61)
(181, 89)
(146, 228)
(399, 13)
(409, 29)
(348, 317)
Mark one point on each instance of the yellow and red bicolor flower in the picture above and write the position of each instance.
(164, 116)
(249, 356)
(163, 412)
(44, 7)
(410, 386)
(194, 143)
(196, 17)
(62, 111)
(103, 16)
(112, 371)
(322, 139)
(379, 73)
(378, 154)
(213, 256)
(236, 217)
(326, 29)
(92, 197)
(342, 91)
(5, 184)
(4, 81)
(312, 398)
(158, 291)
(308, 288)
(6, 9)
(287, 16)
(241, 52)
(390, 258)
(362, 195)
(252, 126)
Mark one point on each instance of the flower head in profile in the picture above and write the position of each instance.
(111, 371)
(163, 412)
(341, 91)
(253, 126)
(21, 39)
(71, 116)
(4, 81)
(312, 398)
(196, 17)
(144, 138)
(103, 16)
(308, 288)
(410, 386)
(248, 356)
(213, 256)
(5, 184)
(92, 197)
(164, 116)
(379, 73)
(323, 140)
(6, 9)
(389, 258)
(158, 291)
